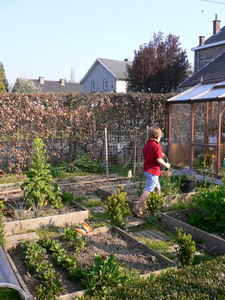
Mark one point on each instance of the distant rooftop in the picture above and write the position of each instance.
(213, 71)
(61, 86)
(118, 68)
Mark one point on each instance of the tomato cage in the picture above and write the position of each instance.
(196, 128)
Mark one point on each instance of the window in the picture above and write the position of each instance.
(92, 85)
(105, 84)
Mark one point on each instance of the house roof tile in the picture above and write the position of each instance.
(217, 37)
(213, 71)
(117, 68)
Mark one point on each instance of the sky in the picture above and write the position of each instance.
(49, 38)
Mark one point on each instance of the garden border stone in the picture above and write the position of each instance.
(212, 242)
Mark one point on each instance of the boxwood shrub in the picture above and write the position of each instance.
(203, 281)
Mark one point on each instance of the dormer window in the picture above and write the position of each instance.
(93, 86)
(105, 84)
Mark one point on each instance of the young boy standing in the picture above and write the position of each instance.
(153, 159)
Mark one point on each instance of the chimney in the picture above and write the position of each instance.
(201, 40)
(62, 81)
(41, 80)
(216, 25)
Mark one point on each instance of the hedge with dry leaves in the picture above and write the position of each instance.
(64, 120)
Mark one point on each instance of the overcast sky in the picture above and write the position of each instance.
(49, 37)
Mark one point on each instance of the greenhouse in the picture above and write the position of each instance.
(196, 128)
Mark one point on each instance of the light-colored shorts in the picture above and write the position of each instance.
(152, 181)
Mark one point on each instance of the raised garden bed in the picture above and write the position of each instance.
(69, 215)
(212, 242)
(103, 241)
(105, 191)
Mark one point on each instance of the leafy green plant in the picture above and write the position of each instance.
(62, 258)
(76, 241)
(154, 202)
(18, 207)
(33, 254)
(170, 185)
(186, 248)
(210, 204)
(117, 206)
(67, 197)
(2, 237)
(39, 188)
(84, 163)
(203, 281)
(51, 284)
(105, 273)
(45, 291)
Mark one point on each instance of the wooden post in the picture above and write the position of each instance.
(206, 132)
(192, 133)
(218, 162)
(106, 154)
(169, 111)
(135, 152)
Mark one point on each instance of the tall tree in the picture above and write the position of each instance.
(159, 66)
(24, 85)
(4, 87)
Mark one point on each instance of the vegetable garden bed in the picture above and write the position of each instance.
(178, 219)
(104, 242)
(70, 216)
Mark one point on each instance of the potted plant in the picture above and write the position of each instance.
(188, 180)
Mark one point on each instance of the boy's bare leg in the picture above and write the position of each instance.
(141, 204)
(158, 189)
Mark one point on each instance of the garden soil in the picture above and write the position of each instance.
(128, 253)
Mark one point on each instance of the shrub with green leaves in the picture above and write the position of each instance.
(117, 206)
(40, 187)
(202, 281)
(186, 248)
(154, 202)
(170, 185)
(2, 237)
(84, 163)
(210, 204)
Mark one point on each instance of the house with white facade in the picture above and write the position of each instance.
(106, 75)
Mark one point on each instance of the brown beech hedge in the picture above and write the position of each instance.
(64, 119)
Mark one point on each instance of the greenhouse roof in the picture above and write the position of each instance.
(201, 92)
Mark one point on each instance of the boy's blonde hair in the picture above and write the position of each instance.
(155, 133)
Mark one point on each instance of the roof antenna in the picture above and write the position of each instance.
(215, 16)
